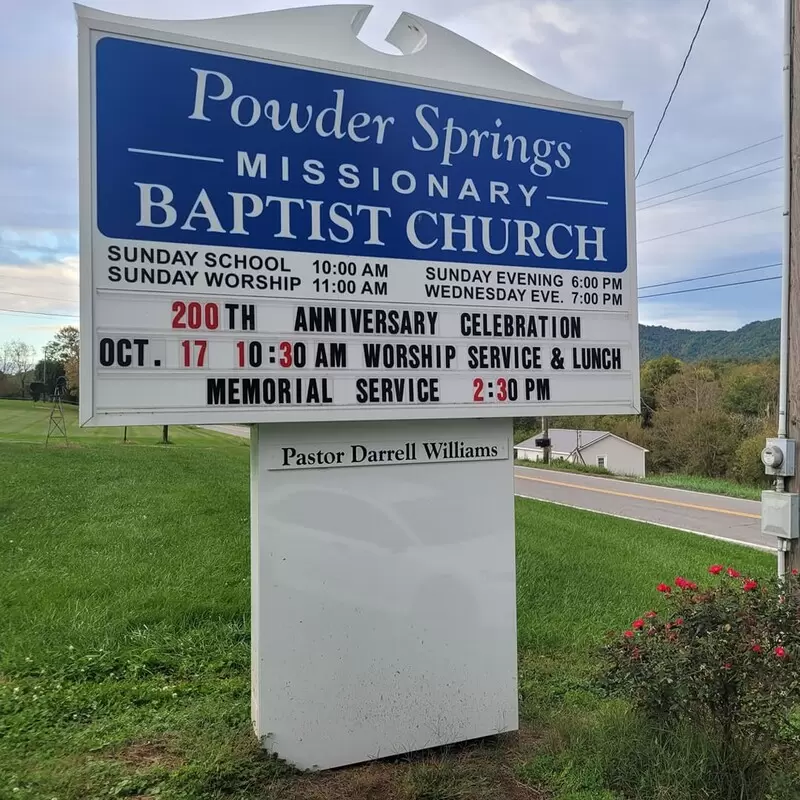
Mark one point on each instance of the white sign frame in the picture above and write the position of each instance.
(480, 77)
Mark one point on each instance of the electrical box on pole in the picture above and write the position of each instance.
(780, 514)
(778, 457)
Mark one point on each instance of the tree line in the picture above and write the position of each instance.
(24, 374)
(707, 418)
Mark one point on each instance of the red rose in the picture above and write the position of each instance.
(690, 585)
(756, 648)
(780, 652)
(651, 614)
(726, 666)
(628, 634)
(749, 585)
(638, 624)
(679, 621)
(733, 573)
(715, 569)
(663, 587)
(680, 582)
(794, 572)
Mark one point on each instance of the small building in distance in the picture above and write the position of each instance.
(593, 448)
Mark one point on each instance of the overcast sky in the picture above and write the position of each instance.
(730, 97)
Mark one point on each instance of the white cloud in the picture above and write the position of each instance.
(40, 288)
(699, 318)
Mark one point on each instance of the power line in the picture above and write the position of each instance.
(61, 283)
(711, 160)
(713, 275)
(36, 296)
(649, 286)
(709, 224)
(705, 288)
(708, 180)
(672, 93)
(46, 279)
(711, 188)
(35, 313)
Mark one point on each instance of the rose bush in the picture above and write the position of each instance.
(724, 657)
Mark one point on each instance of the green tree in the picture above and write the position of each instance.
(47, 370)
(700, 442)
(751, 389)
(747, 466)
(65, 347)
(17, 359)
(66, 344)
(694, 388)
(653, 375)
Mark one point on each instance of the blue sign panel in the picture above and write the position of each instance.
(204, 149)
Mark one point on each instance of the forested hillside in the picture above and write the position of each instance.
(753, 342)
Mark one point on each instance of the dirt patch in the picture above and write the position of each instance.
(367, 782)
(481, 770)
(524, 742)
(146, 754)
(509, 788)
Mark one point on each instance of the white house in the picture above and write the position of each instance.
(593, 448)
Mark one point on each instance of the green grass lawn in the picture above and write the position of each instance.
(26, 421)
(698, 483)
(694, 483)
(124, 632)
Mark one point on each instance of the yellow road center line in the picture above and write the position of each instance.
(640, 497)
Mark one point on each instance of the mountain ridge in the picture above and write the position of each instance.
(753, 342)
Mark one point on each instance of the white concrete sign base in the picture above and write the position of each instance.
(383, 597)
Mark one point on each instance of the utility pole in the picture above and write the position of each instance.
(789, 423)
(546, 436)
(780, 509)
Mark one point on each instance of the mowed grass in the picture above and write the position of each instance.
(692, 483)
(581, 574)
(26, 421)
(698, 483)
(124, 635)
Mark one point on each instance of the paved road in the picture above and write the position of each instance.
(708, 514)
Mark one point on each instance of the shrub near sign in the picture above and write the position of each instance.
(279, 243)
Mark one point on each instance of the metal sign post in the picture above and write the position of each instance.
(378, 262)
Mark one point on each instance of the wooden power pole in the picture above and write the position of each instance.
(547, 449)
(790, 313)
